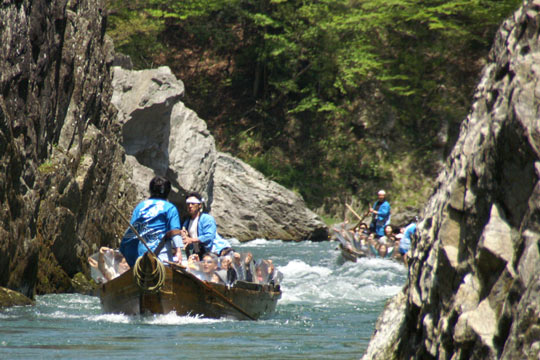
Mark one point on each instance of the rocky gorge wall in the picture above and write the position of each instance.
(473, 290)
(59, 156)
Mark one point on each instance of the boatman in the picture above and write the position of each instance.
(154, 219)
(405, 242)
(380, 214)
(199, 231)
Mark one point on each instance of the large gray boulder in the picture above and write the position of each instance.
(473, 290)
(161, 136)
(247, 206)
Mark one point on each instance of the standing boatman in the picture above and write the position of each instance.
(380, 213)
(154, 219)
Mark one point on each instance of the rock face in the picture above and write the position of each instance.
(10, 298)
(247, 206)
(60, 162)
(161, 136)
(473, 290)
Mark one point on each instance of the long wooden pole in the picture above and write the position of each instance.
(356, 214)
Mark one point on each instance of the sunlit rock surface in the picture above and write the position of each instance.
(247, 206)
(473, 290)
(12, 298)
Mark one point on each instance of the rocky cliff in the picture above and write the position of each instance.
(473, 289)
(59, 157)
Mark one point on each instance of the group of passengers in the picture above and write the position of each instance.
(233, 266)
(380, 239)
(209, 256)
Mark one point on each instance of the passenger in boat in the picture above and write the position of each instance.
(405, 242)
(274, 276)
(364, 228)
(381, 251)
(109, 264)
(199, 231)
(362, 244)
(249, 266)
(209, 267)
(380, 214)
(244, 266)
(388, 237)
(226, 265)
(266, 272)
(356, 237)
(193, 262)
(154, 219)
(396, 255)
(371, 240)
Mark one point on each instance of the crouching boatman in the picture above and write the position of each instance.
(154, 219)
(199, 231)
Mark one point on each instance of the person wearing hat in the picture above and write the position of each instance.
(380, 214)
(199, 231)
(154, 219)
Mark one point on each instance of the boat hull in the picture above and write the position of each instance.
(185, 294)
(350, 254)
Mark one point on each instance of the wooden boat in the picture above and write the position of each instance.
(349, 253)
(346, 246)
(183, 293)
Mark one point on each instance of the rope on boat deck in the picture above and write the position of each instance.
(149, 281)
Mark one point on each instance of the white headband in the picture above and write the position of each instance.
(192, 200)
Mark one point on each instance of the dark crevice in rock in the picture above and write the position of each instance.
(502, 72)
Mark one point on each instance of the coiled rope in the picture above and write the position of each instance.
(149, 281)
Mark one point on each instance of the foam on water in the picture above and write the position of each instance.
(173, 319)
(368, 280)
(111, 318)
(263, 243)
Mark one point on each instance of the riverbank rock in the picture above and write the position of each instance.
(473, 288)
(60, 162)
(10, 298)
(248, 206)
(162, 136)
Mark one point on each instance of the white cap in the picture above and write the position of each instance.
(381, 192)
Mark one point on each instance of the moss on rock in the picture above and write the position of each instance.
(83, 285)
(13, 298)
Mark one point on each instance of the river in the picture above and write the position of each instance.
(327, 311)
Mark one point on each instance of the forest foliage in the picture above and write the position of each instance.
(331, 98)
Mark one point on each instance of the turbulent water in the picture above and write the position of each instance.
(327, 311)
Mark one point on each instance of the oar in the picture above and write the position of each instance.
(211, 289)
(361, 218)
